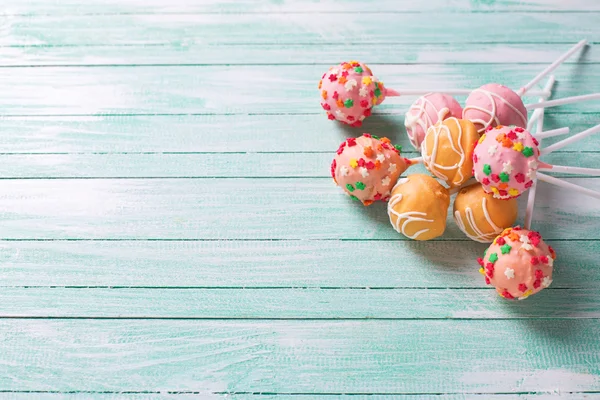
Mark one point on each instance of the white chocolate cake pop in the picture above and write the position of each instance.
(427, 111)
(448, 150)
(482, 217)
(418, 207)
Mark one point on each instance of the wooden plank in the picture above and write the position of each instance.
(279, 396)
(325, 54)
(294, 303)
(401, 357)
(42, 7)
(227, 90)
(270, 264)
(218, 208)
(231, 165)
(297, 28)
(220, 133)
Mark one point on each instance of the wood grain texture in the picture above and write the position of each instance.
(302, 356)
(212, 209)
(297, 28)
(246, 89)
(73, 7)
(325, 54)
(270, 264)
(417, 304)
(279, 396)
(233, 165)
(222, 133)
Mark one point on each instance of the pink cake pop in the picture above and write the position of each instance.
(494, 104)
(426, 112)
(518, 263)
(349, 91)
(368, 167)
(505, 161)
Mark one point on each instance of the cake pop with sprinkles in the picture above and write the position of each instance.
(518, 263)
(480, 216)
(418, 207)
(505, 161)
(426, 112)
(367, 168)
(447, 150)
(494, 104)
(349, 91)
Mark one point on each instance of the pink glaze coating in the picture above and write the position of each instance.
(367, 168)
(426, 112)
(349, 91)
(518, 263)
(505, 161)
(494, 104)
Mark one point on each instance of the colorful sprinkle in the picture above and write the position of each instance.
(358, 70)
(354, 198)
(349, 103)
(528, 151)
(349, 187)
(353, 163)
(493, 257)
(487, 169)
(360, 186)
(505, 248)
(518, 147)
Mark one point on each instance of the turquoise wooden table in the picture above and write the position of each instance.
(169, 227)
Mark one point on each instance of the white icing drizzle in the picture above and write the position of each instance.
(409, 216)
(421, 118)
(480, 235)
(429, 159)
(491, 113)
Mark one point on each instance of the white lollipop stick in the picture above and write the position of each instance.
(452, 92)
(416, 160)
(552, 133)
(551, 67)
(567, 185)
(571, 170)
(572, 139)
(534, 117)
(565, 100)
(539, 129)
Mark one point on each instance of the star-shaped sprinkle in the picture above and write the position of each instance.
(350, 187)
(505, 248)
(353, 163)
(492, 149)
(349, 103)
(510, 273)
(351, 84)
(504, 177)
(525, 243)
(518, 146)
(550, 262)
(507, 167)
(528, 151)
(366, 80)
(521, 135)
(364, 172)
(493, 257)
(533, 164)
(513, 192)
(487, 169)
(532, 174)
(380, 157)
(392, 168)
(386, 181)
(334, 71)
(546, 281)
(340, 115)
(364, 91)
(360, 186)
(344, 170)
(332, 77)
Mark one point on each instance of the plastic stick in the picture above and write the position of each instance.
(539, 129)
(552, 133)
(572, 139)
(534, 117)
(551, 67)
(565, 100)
(571, 170)
(568, 185)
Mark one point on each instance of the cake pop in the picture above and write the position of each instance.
(448, 150)
(418, 207)
(518, 263)
(494, 104)
(427, 111)
(505, 161)
(367, 167)
(349, 91)
(480, 216)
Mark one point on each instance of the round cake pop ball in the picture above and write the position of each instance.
(427, 111)
(518, 263)
(367, 168)
(418, 207)
(448, 150)
(505, 161)
(493, 105)
(349, 91)
(482, 217)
